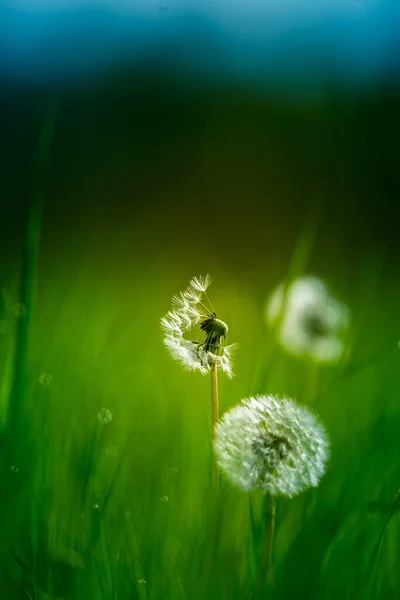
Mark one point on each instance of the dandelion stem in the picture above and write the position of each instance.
(214, 398)
(265, 572)
(311, 383)
(214, 420)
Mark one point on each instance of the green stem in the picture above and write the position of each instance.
(312, 383)
(265, 571)
(214, 421)
(211, 535)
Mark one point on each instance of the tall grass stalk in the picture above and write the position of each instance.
(30, 257)
(378, 547)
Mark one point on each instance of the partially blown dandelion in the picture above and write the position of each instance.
(191, 313)
(308, 320)
(273, 445)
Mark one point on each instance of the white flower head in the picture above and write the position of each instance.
(192, 313)
(272, 445)
(309, 321)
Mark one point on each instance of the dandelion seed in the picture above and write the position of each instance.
(192, 313)
(104, 416)
(96, 506)
(309, 321)
(164, 499)
(142, 581)
(45, 379)
(14, 469)
(273, 445)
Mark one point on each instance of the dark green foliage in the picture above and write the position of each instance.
(123, 510)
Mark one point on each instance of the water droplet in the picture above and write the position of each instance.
(45, 379)
(104, 416)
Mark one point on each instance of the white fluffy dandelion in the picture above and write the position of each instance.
(271, 444)
(193, 314)
(309, 321)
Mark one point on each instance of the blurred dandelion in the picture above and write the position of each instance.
(193, 312)
(164, 499)
(308, 321)
(45, 379)
(104, 416)
(272, 445)
(14, 469)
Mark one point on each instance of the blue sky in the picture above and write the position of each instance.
(50, 39)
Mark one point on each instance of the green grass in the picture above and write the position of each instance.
(121, 511)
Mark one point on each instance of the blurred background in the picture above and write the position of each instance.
(190, 138)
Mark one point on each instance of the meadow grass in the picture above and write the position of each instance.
(120, 510)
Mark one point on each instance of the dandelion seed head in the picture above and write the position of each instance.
(272, 445)
(190, 311)
(308, 320)
(14, 469)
